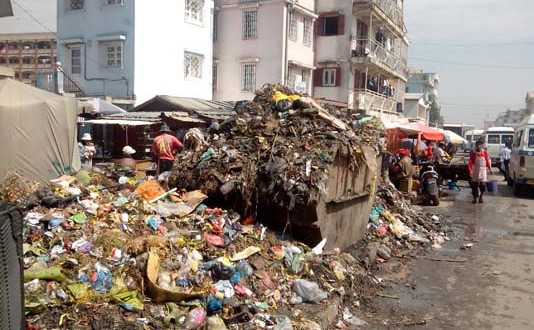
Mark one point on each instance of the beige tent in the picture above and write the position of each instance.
(37, 133)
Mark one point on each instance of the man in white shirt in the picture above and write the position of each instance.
(506, 154)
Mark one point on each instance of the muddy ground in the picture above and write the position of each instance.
(487, 286)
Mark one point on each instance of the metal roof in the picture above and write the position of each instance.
(192, 106)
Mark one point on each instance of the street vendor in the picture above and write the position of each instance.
(403, 169)
(87, 151)
(164, 149)
(127, 160)
(428, 152)
(440, 156)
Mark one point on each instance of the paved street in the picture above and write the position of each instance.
(487, 286)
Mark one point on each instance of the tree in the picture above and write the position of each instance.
(435, 118)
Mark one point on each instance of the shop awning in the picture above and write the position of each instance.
(121, 122)
(427, 133)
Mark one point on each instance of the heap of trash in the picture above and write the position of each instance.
(276, 151)
(98, 254)
(108, 250)
(395, 224)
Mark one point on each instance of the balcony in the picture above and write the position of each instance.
(368, 50)
(372, 102)
(386, 10)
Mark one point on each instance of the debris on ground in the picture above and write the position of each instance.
(106, 250)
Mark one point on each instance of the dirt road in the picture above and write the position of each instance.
(487, 286)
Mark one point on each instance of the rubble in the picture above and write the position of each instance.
(103, 250)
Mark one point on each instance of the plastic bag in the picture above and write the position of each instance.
(149, 190)
(309, 291)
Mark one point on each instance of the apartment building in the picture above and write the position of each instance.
(361, 55)
(262, 41)
(136, 49)
(32, 57)
(421, 91)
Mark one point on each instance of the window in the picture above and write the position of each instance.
(507, 139)
(75, 60)
(307, 33)
(115, 2)
(249, 24)
(193, 9)
(494, 139)
(214, 78)
(193, 65)
(113, 54)
(330, 24)
(329, 77)
(215, 25)
(293, 26)
(248, 77)
(75, 4)
(518, 137)
(531, 138)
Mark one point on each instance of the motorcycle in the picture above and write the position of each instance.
(429, 185)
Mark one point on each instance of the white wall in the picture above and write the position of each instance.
(336, 51)
(231, 51)
(95, 21)
(162, 36)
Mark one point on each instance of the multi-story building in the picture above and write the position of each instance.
(361, 55)
(136, 49)
(262, 41)
(32, 57)
(529, 102)
(510, 118)
(421, 92)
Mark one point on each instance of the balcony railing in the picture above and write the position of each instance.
(370, 49)
(371, 101)
(389, 7)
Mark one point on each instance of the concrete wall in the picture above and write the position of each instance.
(153, 49)
(231, 51)
(159, 50)
(335, 50)
(95, 21)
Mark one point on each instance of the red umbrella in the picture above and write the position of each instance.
(425, 132)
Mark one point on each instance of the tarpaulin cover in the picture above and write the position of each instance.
(427, 133)
(38, 132)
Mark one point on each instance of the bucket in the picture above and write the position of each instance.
(491, 185)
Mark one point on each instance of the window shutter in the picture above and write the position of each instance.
(317, 77)
(319, 26)
(341, 25)
(338, 76)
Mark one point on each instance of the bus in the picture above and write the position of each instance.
(472, 137)
(494, 139)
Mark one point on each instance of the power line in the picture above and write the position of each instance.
(33, 17)
(489, 44)
(465, 64)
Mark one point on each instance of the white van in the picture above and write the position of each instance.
(494, 139)
(472, 137)
(522, 161)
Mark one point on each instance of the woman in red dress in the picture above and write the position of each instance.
(479, 166)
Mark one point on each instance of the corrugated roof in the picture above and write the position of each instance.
(202, 108)
(153, 116)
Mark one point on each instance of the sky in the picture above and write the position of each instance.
(43, 11)
(483, 51)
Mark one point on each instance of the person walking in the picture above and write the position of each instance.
(479, 167)
(506, 154)
(164, 148)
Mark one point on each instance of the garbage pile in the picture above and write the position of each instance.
(100, 255)
(395, 225)
(278, 148)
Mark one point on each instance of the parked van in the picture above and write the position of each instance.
(522, 161)
(494, 139)
(472, 137)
